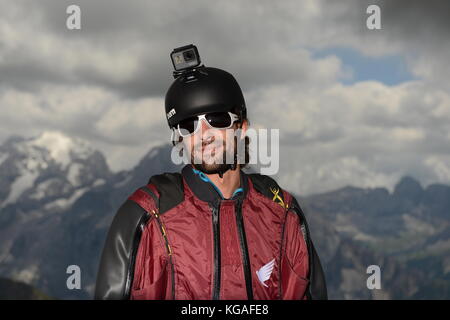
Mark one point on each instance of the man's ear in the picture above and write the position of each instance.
(244, 127)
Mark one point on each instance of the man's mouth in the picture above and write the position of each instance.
(210, 147)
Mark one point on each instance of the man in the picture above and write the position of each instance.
(213, 231)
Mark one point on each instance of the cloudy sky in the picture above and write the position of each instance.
(354, 106)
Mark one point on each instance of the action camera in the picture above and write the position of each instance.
(185, 59)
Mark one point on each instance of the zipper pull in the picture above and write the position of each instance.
(215, 215)
(214, 210)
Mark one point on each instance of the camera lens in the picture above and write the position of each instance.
(189, 55)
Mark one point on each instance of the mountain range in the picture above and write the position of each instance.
(58, 197)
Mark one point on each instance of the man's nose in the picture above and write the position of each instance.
(206, 132)
(204, 129)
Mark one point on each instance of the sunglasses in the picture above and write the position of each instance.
(214, 120)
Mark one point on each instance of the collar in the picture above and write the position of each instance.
(204, 189)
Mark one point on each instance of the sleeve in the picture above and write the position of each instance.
(317, 288)
(295, 260)
(116, 267)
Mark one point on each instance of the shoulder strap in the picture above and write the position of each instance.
(163, 192)
(170, 189)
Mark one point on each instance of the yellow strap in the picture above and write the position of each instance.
(164, 233)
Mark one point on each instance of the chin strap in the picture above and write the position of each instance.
(230, 166)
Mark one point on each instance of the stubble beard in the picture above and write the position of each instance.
(208, 167)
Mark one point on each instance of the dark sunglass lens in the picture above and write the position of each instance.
(219, 119)
(188, 125)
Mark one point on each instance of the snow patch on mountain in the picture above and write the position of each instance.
(44, 189)
(98, 182)
(59, 163)
(27, 275)
(64, 203)
(22, 183)
(61, 147)
(73, 175)
(40, 191)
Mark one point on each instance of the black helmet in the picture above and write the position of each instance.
(203, 90)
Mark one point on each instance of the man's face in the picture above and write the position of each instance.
(212, 150)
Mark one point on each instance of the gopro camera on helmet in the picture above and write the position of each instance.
(185, 59)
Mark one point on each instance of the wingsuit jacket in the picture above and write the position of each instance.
(178, 238)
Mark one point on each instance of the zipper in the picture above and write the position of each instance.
(244, 250)
(280, 284)
(169, 251)
(217, 267)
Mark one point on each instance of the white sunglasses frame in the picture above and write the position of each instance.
(234, 117)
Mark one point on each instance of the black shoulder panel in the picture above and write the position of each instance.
(116, 268)
(170, 188)
(265, 184)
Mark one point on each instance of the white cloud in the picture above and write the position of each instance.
(440, 166)
(25, 40)
(335, 173)
(117, 126)
(366, 134)
(126, 121)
